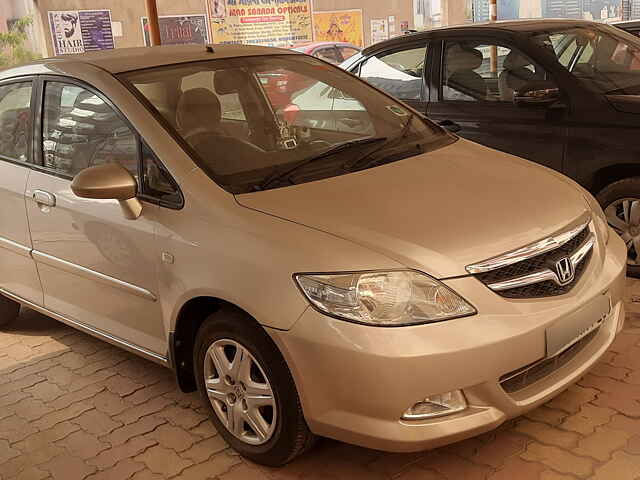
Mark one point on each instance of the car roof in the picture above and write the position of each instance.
(627, 24)
(532, 25)
(126, 59)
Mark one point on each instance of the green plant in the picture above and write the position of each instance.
(12, 44)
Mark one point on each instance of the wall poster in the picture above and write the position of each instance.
(339, 26)
(179, 29)
(79, 31)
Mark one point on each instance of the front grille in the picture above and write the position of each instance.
(544, 262)
(523, 377)
(548, 288)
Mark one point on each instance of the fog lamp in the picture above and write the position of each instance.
(437, 406)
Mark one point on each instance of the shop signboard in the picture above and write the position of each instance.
(79, 31)
(339, 26)
(275, 23)
(178, 29)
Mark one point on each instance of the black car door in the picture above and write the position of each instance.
(473, 80)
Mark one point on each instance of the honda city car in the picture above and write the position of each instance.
(355, 272)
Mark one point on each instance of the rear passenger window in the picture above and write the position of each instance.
(399, 73)
(15, 121)
(81, 130)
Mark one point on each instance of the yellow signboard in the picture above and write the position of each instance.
(275, 23)
(339, 26)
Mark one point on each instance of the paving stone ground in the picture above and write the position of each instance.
(73, 407)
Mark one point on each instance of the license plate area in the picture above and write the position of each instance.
(571, 329)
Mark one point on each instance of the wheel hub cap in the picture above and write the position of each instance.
(624, 217)
(240, 392)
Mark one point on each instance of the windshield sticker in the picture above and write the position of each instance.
(399, 111)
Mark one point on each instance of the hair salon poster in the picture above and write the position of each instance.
(79, 31)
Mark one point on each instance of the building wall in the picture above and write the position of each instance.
(372, 9)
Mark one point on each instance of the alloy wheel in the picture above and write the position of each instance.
(240, 392)
(624, 217)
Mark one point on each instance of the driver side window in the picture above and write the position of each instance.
(400, 73)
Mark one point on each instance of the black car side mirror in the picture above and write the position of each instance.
(541, 93)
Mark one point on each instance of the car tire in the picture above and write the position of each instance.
(613, 199)
(227, 332)
(9, 311)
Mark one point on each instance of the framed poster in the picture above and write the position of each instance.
(274, 23)
(379, 30)
(339, 26)
(178, 29)
(79, 31)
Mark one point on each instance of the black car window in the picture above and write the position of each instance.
(15, 121)
(603, 58)
(482, 71)
(399, 73)
(81, 130)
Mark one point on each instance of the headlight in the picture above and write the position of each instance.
(599, 218)
(387, 299)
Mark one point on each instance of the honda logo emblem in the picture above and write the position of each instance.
(564, 271)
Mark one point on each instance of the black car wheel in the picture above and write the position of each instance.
(248, 389)
(621, 204)
(9, 311)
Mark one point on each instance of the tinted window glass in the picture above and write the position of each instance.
(81, 130)
(305, 120)
(348, 52)
(328, 55)
(156, 181)
(468, 74)
(603, 58)
(15, 121)
(399, 73)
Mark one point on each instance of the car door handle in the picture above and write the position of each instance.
(450, 125)
(44, 198)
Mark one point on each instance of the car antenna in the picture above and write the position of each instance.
(210, 49)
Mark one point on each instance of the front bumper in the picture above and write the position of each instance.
(355, 382)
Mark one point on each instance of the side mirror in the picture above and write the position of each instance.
(110, 181)
(537, 93)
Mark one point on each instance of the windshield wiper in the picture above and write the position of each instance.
(276, 177)
(363, 162)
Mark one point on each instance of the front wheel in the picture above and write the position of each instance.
(621, 204)
(247, 386)
(9, 311)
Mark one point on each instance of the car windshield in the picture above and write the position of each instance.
(603, 58)
(258, 123)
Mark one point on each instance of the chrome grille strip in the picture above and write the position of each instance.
(533, 250)
(545, 275)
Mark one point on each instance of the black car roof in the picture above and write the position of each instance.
(500, 26)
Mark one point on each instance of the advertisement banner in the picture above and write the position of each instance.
(79, 31)
(339, 26)
(275, 23)
(179, 29)
(379, 30)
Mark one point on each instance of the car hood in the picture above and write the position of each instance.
(437, 212)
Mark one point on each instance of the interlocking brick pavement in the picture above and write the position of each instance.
(73, 407)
